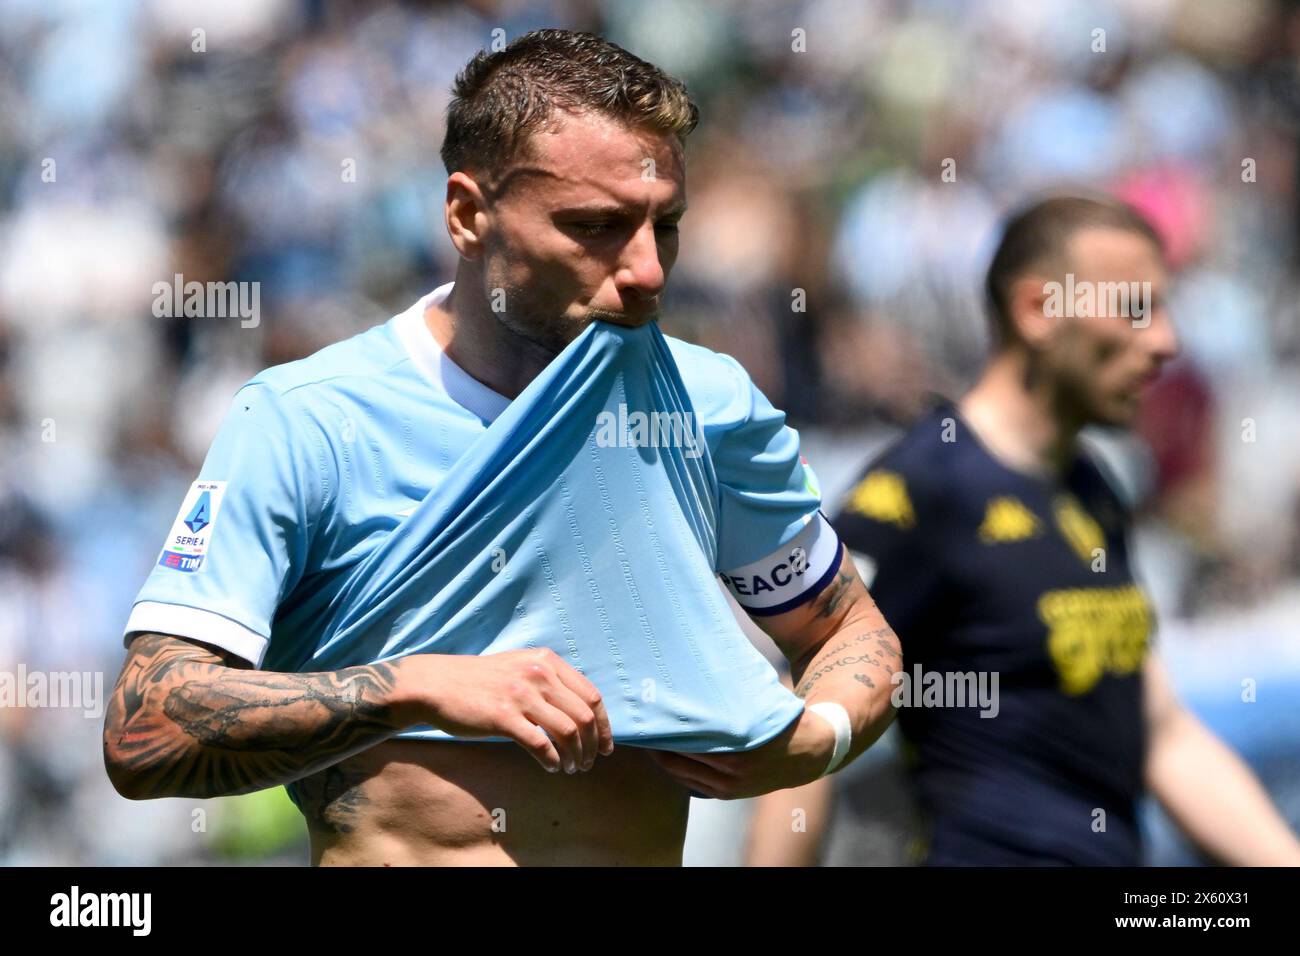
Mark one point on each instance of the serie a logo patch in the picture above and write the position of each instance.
(191, 532)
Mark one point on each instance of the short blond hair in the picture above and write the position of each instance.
(501, 98)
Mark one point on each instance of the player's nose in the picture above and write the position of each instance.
(640, 276)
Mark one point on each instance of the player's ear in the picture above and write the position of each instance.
(466, 214)
(1033, 310)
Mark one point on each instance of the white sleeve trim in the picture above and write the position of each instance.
(200, 625)
(787, 577)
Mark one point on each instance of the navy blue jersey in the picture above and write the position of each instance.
(1021, 586)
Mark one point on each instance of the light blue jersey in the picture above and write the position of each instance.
(374, 500)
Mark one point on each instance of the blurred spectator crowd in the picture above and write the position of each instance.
(846, 182)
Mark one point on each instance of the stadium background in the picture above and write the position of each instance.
(818, 171)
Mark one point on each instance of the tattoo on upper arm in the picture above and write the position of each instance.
(831, 598)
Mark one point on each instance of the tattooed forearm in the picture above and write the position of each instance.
(880, 636)
(841, 649)
(182, 722)
(870, 649)
(806, 685)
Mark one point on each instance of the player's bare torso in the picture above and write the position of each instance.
(430, 803)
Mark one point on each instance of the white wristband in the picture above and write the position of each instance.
(835, 715)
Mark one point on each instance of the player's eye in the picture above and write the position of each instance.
(592, 228)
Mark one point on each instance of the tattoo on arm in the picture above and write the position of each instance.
(183, 722)
(332, 799)
(875, 656)
(834, 594)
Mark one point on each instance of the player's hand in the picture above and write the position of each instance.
(795, 757)
(533, 697)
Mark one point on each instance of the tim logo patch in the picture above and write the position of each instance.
(191, 532)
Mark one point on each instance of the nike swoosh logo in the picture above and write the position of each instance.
(408, 511)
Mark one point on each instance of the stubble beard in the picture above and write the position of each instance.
(552, 333)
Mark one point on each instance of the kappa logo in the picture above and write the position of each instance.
(882, 495)
(1006, 519)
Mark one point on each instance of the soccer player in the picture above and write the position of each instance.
(567, 181)
(997, 548)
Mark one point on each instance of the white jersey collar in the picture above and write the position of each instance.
(440, 371)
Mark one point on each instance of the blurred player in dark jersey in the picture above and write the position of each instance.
(1034, 712)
